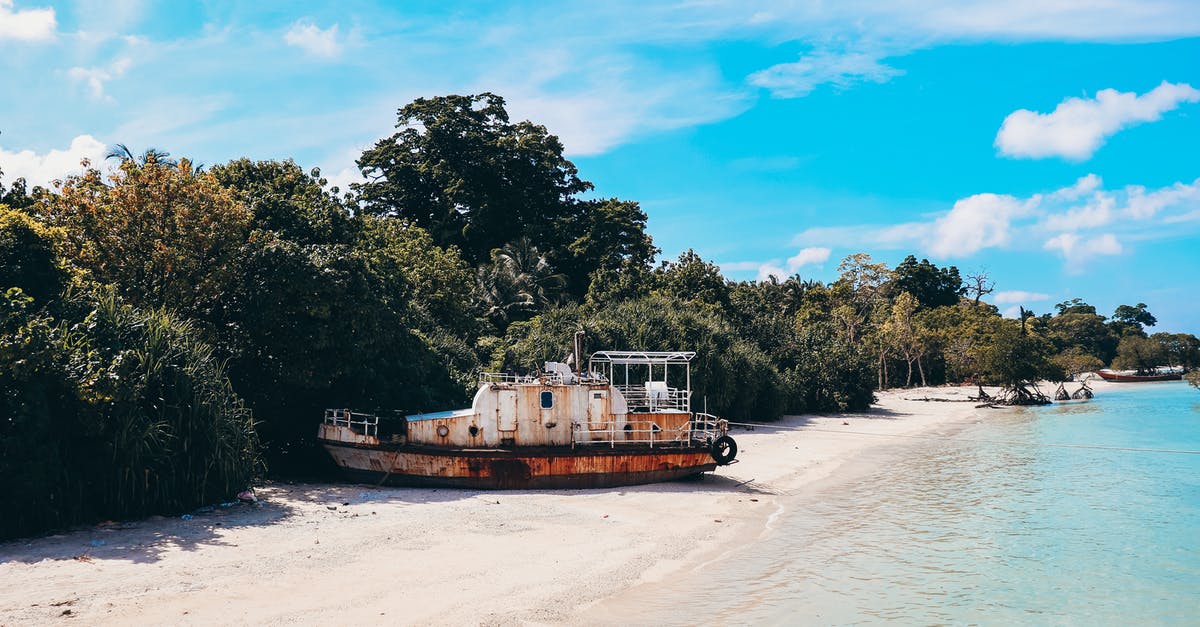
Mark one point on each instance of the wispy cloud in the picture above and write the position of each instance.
(778, 268)
(1018, 296)
(1077, 127)
(95, 78)
(306, 35)
(841, 70)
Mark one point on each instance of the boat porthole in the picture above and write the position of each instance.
(473, 430)
(628, 427)
(443, 430)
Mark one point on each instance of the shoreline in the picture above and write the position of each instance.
(327, 553)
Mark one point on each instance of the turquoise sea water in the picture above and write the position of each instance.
(974, 528)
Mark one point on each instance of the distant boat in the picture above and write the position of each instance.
(593, 428)
(1131, 376)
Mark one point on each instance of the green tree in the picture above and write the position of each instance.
(28, 259)
(283, 198)
(1075, 305)
(164, 235)
(932, 286)
(461, 170)
(692, 279)
(1179, 349)
(1132, 320)
(1017, 360)
(606, 235)
(1139, 353)
(905, 337)
(1079, 331)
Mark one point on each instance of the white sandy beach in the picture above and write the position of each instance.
(346, 554)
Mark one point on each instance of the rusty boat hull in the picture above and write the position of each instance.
(534, 468)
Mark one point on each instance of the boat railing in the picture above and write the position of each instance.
(363, 424)
(707, 427)
(635, 432)
(663, 399)
(508, 377)
(545, 378)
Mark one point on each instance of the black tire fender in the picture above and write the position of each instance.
(723, 450)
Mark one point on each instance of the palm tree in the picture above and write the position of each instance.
(150, 156)
(517, 283)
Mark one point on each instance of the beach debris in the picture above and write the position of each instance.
(983, 396)
(229, 504)
(844, 423)
(204, 510)
(345, 504)
(716, 520)
(66, 612)
(186, 517)
(98, 543)
(247, 496)
(332, 508)
(83, 557)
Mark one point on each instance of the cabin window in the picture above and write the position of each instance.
(547, 400)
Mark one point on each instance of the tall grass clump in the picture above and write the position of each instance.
(119, 414)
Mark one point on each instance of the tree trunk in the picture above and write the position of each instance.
(908, 380)
(921, 369)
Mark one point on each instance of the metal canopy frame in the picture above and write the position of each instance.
(651, 360)
(642, 357)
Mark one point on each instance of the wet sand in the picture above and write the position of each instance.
(338, 554)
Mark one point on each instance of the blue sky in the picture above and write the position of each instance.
(1052, 143)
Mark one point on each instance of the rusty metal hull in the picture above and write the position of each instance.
(499, 469)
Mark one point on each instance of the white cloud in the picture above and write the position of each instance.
(41, 169)
(1078, 250)
(308, 36)
(1084, 186)
(27, 25)
(1018, 296)
(1072, 221)
(807, 256)
(771, 269)
(95, 78)
(842, 70)
(1079, 126)
(976, 222)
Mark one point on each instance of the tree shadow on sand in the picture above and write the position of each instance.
(144, 541)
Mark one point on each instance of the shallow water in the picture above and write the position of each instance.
(985, 526)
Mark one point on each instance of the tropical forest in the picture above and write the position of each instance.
(171, 331)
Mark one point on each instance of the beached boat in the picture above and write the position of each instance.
(1131, 376)
(620, 422)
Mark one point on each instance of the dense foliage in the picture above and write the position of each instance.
(164, 327)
